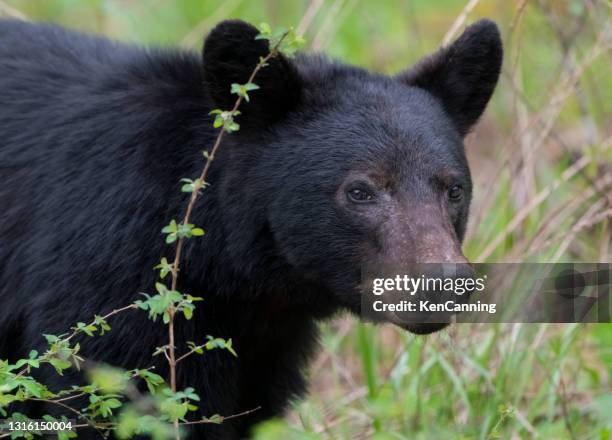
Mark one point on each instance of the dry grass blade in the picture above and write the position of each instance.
(459, 22)
(195, 35)
(11, 12)
(536, 201)
(592, 217)
(556, 217)
(309, 15)
(332, 22)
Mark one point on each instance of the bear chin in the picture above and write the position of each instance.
(424, 329)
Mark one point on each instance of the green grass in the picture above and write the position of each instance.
(470, 381)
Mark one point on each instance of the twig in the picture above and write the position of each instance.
(63, 399)
(192, 201)
(223, 419)
(105, 317)
(75, 411)
(77, 331)
(190, 352)
(459, 21)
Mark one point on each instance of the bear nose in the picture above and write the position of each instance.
(442, 279)
(422, 234)
(438, 284)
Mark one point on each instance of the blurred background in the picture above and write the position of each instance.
(541, 160)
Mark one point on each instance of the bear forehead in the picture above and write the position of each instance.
(357, 96)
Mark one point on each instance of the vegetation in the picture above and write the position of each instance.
(542, 164)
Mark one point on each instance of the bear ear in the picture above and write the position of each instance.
(230, 54)
(462, 75)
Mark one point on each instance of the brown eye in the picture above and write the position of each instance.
(358, 195)
(455, 193)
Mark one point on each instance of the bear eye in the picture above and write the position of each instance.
(455, 193)
(359, 195)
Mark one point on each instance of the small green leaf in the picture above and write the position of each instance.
(265, 32)
(59, 364)
(109, 380)
(232, 127)
(161, 288)
(215, 418)
(243, 89)
(172, 227)
(164, 268)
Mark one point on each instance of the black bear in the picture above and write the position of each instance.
(333, 167)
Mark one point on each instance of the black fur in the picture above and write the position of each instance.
(96, 135)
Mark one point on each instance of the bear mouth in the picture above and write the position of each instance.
(423, 329)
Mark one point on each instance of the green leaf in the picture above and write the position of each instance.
(153, 381)
(188, 312)
(243, 89)
(108, 380)
(173, 410)
(250, 86)
(51, 339)
(214, 343)
(102, 324)
(232, 127)
(265, 31)
(34, 388)
(164, 268)
(215, 418)
(161, 288)
(128, 424)
(225, 119)
(192, 185)
(172, 227)
(172, 230)
(287, 40)
(60, 365)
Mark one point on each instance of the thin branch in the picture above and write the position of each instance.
(223, 419)
(77, 331)
(105, 317)
(172, 361)
(75, 411)
(190, 352)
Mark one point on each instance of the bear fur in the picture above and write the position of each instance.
(95, 136)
